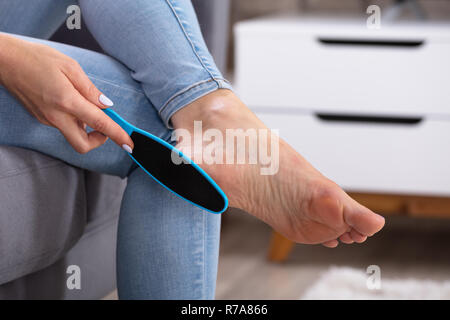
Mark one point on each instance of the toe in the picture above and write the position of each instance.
(331, 244)
(363, 220)
(357, 237)
(346, 238)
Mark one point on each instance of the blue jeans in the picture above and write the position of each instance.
(157, 64)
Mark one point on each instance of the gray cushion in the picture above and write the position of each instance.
(45, 205)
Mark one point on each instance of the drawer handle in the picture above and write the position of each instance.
(368, 119)
(372, 43)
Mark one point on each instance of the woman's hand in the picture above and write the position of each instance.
(54, 88)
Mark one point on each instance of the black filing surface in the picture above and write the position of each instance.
(183, 178)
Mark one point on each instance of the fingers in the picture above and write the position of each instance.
(75, 133)
(84, 102)
(84, 85)
(99, 121)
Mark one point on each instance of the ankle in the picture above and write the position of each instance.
(210, 109)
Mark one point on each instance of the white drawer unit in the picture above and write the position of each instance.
(344, 66)
(368, 108)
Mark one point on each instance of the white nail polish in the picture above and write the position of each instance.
(105, 100)
(127, 148)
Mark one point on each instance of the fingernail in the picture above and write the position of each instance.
(105, 100)
(127, 148)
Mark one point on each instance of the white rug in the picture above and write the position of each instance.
(347, 283)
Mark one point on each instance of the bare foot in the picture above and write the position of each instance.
(298, 201)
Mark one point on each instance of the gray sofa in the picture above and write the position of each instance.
(53, 215)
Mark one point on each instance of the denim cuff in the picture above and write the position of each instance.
(189, 95)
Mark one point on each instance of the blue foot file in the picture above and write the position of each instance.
(187, 180)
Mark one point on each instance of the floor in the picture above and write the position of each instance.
(407, 248)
